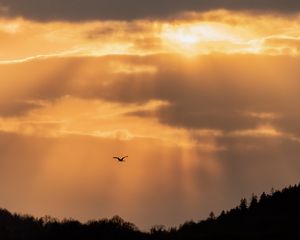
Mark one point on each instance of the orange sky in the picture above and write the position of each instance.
(205, 105)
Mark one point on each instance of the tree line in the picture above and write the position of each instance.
(268, 216)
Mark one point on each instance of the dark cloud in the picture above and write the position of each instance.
(109, 29)
(289, 122)
(17, 108)
(215, 92)
(77, 10)
(208, 92)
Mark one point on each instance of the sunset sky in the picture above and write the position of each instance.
(202, 95)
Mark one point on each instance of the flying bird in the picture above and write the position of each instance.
(121, 159)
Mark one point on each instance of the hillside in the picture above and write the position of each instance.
(270, 216)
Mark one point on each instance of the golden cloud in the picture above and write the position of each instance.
(190, 34)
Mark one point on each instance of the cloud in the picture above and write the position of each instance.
(287, 45)
(215, 92)
(218, 31)
(17, 108)
(76, 10)
(208, 92)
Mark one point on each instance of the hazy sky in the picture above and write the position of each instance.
(202, 95)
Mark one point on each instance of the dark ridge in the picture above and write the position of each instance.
(270, 216)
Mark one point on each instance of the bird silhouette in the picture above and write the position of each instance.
(121, 159)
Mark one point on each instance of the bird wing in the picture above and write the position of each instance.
(117, 158)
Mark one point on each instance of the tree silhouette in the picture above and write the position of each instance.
(253, 201)
(243, 205)
(211, 216)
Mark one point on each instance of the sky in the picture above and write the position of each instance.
(201, 95)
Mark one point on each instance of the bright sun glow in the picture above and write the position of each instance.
(182, 35)
(189, 38)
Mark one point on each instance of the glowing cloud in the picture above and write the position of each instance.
(190, 34)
